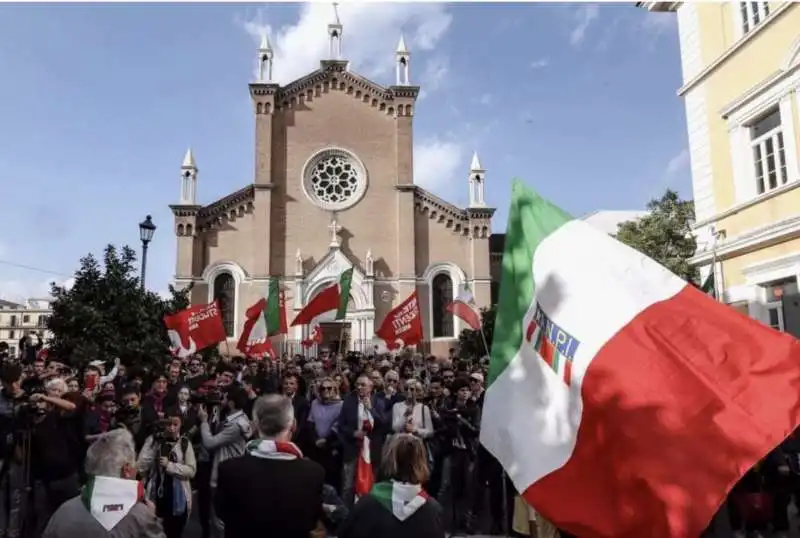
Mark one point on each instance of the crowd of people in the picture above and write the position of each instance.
(188, 417)
(246, 444)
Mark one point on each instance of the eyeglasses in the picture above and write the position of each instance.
(393, 381)
(327, 388)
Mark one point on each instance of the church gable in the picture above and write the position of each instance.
(333, 75)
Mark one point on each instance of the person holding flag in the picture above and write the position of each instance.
(363, 424)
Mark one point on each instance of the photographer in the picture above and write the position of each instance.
(167, 464)
(54, 455)
(460, 421)
(229, 442)
(133, 417)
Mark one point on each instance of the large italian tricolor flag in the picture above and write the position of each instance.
(623, 402)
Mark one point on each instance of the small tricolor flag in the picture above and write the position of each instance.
(463, 307)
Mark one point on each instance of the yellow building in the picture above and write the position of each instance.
(741, 87)
(18, 320)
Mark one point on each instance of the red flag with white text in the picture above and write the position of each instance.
(402, 325)
(195, 328)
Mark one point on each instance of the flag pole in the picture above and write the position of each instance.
(716, 235)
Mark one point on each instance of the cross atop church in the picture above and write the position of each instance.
(334, 228)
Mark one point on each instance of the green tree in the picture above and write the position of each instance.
(665, 234)
(106, 314)
(470, 343)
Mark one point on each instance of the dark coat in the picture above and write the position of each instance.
(269, 497)
(348, 426)
(369, 519)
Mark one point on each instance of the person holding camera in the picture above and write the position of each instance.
(133, 417)
(461, 426)
(228, 443)
(53, 454)
(167, 464)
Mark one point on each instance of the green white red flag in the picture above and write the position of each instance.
(622, 401)
(332, 298)
(463, 307)
(265, 319)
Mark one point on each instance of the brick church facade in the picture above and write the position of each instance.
(334, 188)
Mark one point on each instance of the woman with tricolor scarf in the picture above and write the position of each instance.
(398, 507)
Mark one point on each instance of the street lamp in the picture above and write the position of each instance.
(146, 231)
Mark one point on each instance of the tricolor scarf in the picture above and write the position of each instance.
(273, 450)
(110, 499)
(401, 499)
(364, 477)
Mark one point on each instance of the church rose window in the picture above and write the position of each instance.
(334, 179)
(442, 294)
(225, 293)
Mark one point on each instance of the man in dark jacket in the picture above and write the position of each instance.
(271, 490)
(363, 414)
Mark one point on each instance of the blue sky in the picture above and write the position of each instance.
(98, 104)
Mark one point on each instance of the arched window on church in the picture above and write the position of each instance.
(442, 295)
(225, 293)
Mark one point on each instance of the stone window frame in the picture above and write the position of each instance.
(457, 279)
(239, 277)
(330, 151)
(777, 93)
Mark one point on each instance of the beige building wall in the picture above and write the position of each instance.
(741, 75)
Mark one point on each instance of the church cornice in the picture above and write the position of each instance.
(180, 210)
(460, 221)
(480, 212)
(228, 208)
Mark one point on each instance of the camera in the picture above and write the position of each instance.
(207, 398)
(126, 417)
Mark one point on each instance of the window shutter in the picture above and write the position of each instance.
(789, 138)
(742, 164)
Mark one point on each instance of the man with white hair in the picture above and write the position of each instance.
(272, 490)
(110, 504)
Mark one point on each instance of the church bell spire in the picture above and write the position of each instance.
(477, 176)
(335, 35)
(188, 179)
(265, 56)
(402, 61)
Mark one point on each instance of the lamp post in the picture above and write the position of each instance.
(146, 231)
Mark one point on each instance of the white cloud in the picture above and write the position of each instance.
(18, 290)
(657, 23)
(437, 163)
(369, 37)
(485, 99)
(678, 163)
(434, 77)
(541, 62)
(584, 17)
